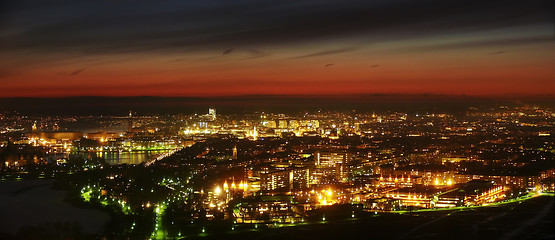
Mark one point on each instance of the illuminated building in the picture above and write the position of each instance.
(331, 165)
(448, 198)
(398, 181)
(149, 143)
(293, 124)
(267, 132)
(285, 180)
(315, 124)
(102, 136)
(266, 209)
(331, 159)
(130, 122)
(34, 128)
(254, 134)
(203, 124)
(269, 123)
(453, 159)
(54, 137)
(275, 180)
(411, 196)
(282, 124)
(475, 192)
(436, 175)
(478, 192)
(212, 113)
(517, 180)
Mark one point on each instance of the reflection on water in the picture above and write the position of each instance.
(115, 157)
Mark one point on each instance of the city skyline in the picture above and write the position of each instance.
(484, 171)
(213, 48)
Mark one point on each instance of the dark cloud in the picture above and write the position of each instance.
(256, 54)
(70, 74)
(485, 43)
(498, 52)
(374, 66)
(251, 53)
(131, 26)
(76, 72)
(329, 65)
(328, 52)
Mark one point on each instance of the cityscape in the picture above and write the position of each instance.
(277, 119)
(201, 175)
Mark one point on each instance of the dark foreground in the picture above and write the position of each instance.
(530, 219)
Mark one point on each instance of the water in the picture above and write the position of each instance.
(116, 157)
(134, 157)
(35, 203)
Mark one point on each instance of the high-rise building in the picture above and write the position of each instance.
(130, 122)
(212, 113)
(285, 180)
(332, 165)
(331, 159)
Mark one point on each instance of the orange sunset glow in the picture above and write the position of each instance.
(474, 53)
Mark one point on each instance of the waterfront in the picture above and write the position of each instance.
(117, 157)
(129, 157)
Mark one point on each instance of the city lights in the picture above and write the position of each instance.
(361, 166)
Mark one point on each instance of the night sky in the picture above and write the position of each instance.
(225, 48)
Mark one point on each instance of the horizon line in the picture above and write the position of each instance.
(487, 96)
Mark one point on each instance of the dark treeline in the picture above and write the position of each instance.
(247, 104)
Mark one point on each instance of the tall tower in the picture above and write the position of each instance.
(34, 134)
(130, 122)
(234, 153)
(212, 113)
